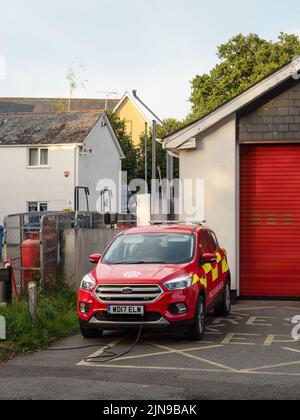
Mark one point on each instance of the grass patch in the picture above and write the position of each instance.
(56, 319)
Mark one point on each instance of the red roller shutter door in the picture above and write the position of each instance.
(270, 220)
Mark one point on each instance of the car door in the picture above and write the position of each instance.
(208, 271)
(220, 269)
(214, 277)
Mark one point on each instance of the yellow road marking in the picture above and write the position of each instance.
(239, 313)
(274, 339)
(178, 369)
(213, 331)
(240, 337)
(222, 368)
(258, 321)
(256, 309)
(200, 359)
(101, 351)
(163, 353)
(289, 349)
(271, 366)
(289, 307)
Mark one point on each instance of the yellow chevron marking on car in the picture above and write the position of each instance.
(204, 282)
(207, 268)
(215, 273)
(197, 279)
(225, 267)
(219, 257)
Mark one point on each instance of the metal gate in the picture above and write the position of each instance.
(46, 228)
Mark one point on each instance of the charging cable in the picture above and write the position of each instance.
(107, 356)
(110, 356)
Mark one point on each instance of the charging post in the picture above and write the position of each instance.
(6, 285)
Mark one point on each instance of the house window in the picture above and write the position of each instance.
(33, 157)
(38, 157)
(43, 157)
(36, 206)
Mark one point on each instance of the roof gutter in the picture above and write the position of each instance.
(49, 145)
(134, 92)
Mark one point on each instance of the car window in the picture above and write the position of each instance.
(205, 242)
(146, 248)
(213, 242)
(209, 242)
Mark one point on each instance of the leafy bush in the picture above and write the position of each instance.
(56, 319)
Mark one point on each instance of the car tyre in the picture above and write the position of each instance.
(88, 332)
(224, 307)
(197, 331)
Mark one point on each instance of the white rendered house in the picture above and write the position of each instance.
(43, 157)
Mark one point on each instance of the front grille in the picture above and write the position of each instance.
(120, 293)
(149, 317)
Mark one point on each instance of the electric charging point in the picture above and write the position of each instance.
(5, 285)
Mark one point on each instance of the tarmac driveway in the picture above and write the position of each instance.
(249, 355)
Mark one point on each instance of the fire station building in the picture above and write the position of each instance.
(248, 154)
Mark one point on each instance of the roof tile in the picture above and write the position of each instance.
(46, 128)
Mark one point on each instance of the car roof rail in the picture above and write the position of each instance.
(176, 222)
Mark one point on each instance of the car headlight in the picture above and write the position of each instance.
(179, 284)
(87, 283)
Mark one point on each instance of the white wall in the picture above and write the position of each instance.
(20, 184)
(104, 162)
(214, 161)
(143, 209)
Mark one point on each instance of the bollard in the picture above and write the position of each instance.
(32, 303)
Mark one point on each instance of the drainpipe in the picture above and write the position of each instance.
(76, 169)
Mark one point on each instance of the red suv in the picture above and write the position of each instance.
(161, 276)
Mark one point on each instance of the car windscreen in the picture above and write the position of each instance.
(170, 248)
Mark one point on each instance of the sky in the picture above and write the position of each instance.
(154, 46)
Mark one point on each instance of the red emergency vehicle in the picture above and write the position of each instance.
(160, 276)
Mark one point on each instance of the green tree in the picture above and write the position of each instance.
(130, 163)
(244, 60)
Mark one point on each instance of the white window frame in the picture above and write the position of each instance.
(39, 165)
(39, 203)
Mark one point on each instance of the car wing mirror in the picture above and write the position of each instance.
(208, 258)
(95, 258)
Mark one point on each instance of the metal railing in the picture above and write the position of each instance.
(32, 241)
